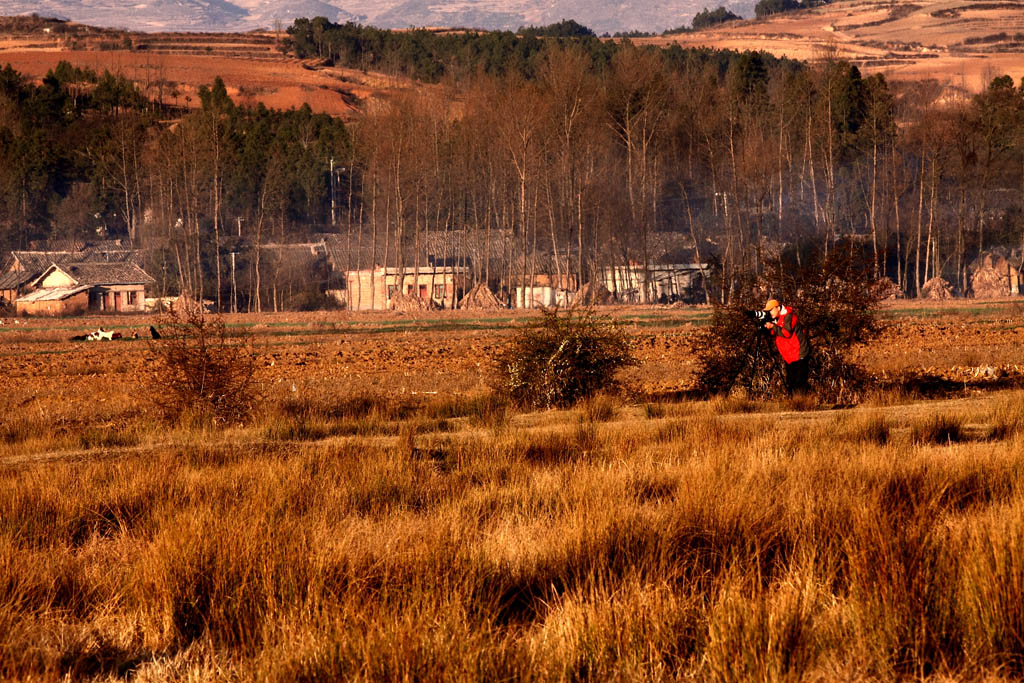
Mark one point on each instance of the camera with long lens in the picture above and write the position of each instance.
(759, 318)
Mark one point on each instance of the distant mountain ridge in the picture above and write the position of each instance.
(603, 16)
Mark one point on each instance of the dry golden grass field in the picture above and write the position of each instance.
(385, 517)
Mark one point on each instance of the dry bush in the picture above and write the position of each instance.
(836, 301)
(562, 358)
(202, 373)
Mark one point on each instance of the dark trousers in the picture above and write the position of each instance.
(796, 377)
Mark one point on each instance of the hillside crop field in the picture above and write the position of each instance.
(170, 68)
(384, 516)
(958, 43)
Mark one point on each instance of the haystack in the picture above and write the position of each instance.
(888, 289)
(409, 303)
(480, 297)
(188, 305)
(937, 288)
(989, 283)
(592, 294)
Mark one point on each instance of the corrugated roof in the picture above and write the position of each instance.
(52, 294)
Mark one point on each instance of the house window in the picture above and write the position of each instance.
(439, 292)
(391, 291)
(133, 299)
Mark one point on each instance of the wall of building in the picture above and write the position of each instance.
(118, 298)
(72, 305)
(537, 297)
(628, 282)
(368, 290)
(57, 279)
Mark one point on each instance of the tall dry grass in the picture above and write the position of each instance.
(377, 537)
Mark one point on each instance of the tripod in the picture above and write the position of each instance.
(756, 352)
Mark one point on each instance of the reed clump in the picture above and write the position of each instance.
(938, 429)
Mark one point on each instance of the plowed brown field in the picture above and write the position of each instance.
(276, 81)
(449, 353)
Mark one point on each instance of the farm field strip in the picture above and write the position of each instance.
(458, 346)
(154, 439)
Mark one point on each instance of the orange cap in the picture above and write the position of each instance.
(772, 303)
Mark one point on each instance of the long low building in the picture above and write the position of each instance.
(374, 289)
(635, 283)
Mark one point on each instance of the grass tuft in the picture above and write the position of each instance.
(938, 429)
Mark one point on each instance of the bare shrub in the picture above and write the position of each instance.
(202, 373)
(836, 300)
(562, 358)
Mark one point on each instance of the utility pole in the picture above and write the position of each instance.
(332, 192)
(234, 288)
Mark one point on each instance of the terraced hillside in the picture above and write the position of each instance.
(172, 66)
(961, 43)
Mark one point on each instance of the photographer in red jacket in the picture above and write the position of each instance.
(791, 341)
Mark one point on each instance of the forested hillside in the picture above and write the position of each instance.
(574, 153)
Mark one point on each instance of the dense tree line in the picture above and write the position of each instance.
(431, 55)
(567, 28)
(766, 8)
(586, 159)
(707, 18)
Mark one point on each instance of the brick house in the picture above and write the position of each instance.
(70, 288)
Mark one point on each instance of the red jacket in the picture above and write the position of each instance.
(790, 337)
